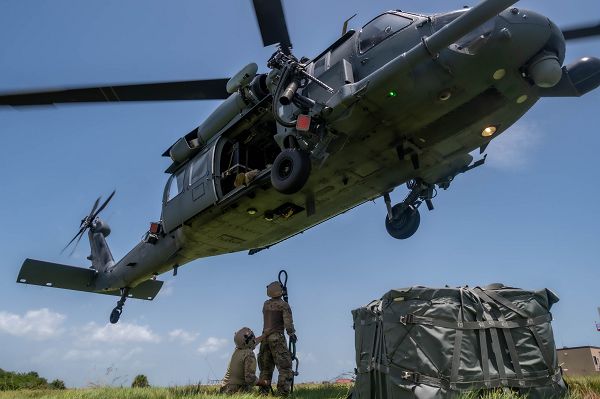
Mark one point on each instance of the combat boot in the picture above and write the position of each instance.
(264, 391)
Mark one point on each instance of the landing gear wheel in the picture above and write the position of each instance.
(405, 222)
(290, 171)
(115, 315)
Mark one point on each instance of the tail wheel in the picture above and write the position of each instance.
(405, 222)
(290, 171)
(115, 315)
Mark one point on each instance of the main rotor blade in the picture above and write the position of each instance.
(89, 218)
(103, 205)
(77, 243)
(582, 32)
(210, 89)
(271, 21)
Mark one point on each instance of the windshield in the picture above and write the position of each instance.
(175, 184)
(380, 29)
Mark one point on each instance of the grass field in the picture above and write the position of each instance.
(581, 388)
(187, 392)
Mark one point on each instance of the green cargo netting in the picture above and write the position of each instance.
(434, 343)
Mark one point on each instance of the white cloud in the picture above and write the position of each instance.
(512, 150)
(118, 333)
(97, 354)
(182, 336)
(212, 344)
(37, 324)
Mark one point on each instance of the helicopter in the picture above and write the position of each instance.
(404, 100)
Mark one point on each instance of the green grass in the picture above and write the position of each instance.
(581, 388)
(584, 387)
(303, 391)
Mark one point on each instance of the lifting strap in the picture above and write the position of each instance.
(292, 345)
(512, 350)
(495, 297)
(457, 344)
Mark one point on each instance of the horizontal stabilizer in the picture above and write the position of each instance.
(47, 274)
(146, 290)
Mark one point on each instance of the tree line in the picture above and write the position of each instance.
(10, 381)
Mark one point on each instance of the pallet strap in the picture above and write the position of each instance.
(475, 325)
(444, 381)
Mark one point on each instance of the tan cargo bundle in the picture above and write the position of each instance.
(436, 343)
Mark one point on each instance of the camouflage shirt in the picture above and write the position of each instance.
(242, 369)
(277, 316)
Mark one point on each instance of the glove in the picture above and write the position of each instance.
(293, 338)
(263, 383)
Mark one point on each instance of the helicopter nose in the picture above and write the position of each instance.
(536, 43)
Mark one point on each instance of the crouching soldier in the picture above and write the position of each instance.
(273, 347)
(241, 372)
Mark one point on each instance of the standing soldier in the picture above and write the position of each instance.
(273, 352)
(241, 372)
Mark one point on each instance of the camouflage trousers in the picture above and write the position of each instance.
(233, 388)
(274, 352)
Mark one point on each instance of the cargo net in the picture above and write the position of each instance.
(425, 342)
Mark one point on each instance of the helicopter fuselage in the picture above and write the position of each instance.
(396, 114)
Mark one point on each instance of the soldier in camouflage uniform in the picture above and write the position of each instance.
(273, 348)
(241, 372)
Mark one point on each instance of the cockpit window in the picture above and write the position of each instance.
(380, 29)
(175, 184)
(199, 168)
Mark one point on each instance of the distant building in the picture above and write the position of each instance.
(344, 381)
(580, 360)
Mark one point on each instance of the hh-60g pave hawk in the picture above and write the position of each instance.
(404, 100)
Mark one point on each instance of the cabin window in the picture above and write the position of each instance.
(380, 29)
(175, 184)
(199, 168)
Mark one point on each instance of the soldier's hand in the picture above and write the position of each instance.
(293, 338)
(263, 383)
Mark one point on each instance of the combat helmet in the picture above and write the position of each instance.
(245, 339)
(275, 290)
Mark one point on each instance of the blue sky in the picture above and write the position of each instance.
(528, 218)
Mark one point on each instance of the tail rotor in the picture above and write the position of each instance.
(87, 222)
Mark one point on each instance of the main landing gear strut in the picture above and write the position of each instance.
(116, 312)
(403, 219)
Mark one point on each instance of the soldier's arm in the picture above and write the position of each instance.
(250, 369)
(288, 320)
